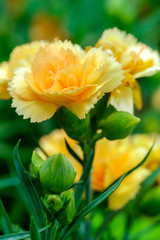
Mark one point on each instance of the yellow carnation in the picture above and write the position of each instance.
(62, 74)
(137, 60)
(7, 68)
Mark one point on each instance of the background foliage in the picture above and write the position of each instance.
(83, 22)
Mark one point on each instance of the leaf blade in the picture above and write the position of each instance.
(29, 188)
(92, 205)
(19, 236)
(35, 235)
(73, 153)
(5, 221)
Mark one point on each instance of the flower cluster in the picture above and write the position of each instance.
(112, 159)
(45, 76)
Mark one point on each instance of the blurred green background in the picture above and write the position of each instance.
(83, 22)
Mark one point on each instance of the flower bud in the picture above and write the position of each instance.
(67, 213)
(37, 162)
(150, 203)
(119, 125)
(76, 128)
(57, 173)
(54, 202)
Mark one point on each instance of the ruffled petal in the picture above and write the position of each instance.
(36, 110)
(122, 99)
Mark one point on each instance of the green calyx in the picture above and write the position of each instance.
(37, 162)
(75, 128)
(67, 213)
(119, 125)
(54, 202)
(57, 174)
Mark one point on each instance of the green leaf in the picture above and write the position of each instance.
(144, 159)
(8, 181)
(18, 236)
(91, 206)
(29, 188)
(73, 153)
(4, 219)
(35, 235)
(151, 179)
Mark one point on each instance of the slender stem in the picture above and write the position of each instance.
(88, 219)
(98, 136)
(88, 159)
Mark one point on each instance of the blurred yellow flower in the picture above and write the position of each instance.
(111, 160)
(137, 60)
(62, 74)
(7, 68)
(4, 81)
(44, 27)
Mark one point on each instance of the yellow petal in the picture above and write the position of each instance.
(37, 110)
(137, 97)
(122, 99)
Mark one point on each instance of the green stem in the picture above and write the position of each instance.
(88, 218)
(88, 159)
(97, 136)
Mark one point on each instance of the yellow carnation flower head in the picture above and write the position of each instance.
(4, 81)
(137, 60)
(62, 74)
(7, 68)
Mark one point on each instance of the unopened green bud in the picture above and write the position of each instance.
(150, 203)
(57, 173)
(54, 201)
(76, 128)
(67, 213)
(119, 125)
(37, 162)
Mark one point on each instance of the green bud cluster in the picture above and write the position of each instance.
(56, 174)
(61, 206)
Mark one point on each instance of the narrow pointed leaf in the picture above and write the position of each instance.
(35, 235)
(73, 153)
(4, 219)
(29, 188)
(151, 179)
(19, 236)
(144, 159)
(92, 205)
